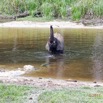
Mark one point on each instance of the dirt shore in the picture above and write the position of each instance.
(48, 83)
(56, 24)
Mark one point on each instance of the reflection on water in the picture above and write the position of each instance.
(55, 65)
(98, 57)
(26, 46)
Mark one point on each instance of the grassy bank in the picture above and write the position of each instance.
(13, 93)
(69, 9)
(73, 95)
(25, 94)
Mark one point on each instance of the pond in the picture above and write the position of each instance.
(82, 59)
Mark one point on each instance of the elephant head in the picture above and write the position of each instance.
(55, 44)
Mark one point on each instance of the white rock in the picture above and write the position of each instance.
(28, 68)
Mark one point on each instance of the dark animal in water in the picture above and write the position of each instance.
(55, 44)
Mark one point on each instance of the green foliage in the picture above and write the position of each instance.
(33, 6)
(13, 6)
(98, 8)
(76, 13)
(47, 10)
(53, 8)
(82, 7)
(60, 8)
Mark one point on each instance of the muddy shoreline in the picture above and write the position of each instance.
(56, 24)
(48, 83)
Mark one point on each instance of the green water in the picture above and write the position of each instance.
(82, 60)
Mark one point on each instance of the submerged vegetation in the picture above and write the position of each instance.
(69, 9)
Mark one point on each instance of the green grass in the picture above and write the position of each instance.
(22, 94)
(73, 95)
(53, 8)
(92, 7)
(13, 93)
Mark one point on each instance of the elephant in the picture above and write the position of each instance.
(55, 43)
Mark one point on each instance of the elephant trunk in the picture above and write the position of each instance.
(51, 34)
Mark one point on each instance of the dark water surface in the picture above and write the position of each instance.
(83, 58)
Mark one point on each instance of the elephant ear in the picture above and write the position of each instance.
(60, 41)
(51, 34)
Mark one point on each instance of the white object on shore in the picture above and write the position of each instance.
(27, 68)
(11, 73)
(18, 72)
